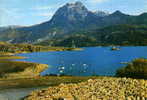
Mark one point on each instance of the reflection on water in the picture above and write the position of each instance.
(90, 61)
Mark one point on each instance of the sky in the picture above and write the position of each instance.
(30, 12)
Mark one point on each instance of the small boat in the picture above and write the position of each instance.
(115, 48)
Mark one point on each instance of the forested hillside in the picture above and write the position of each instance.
(112, 35)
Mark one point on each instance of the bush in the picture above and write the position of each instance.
(136, 69)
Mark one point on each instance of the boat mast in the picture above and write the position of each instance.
(73, 44)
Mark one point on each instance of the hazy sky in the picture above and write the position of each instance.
(29, 12)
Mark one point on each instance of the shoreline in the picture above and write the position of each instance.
(52, 49)
(8, 57)
(16, 94)
(16, 89)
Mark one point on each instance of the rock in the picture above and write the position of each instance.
(96, 89)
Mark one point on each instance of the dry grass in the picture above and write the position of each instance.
(40, 81)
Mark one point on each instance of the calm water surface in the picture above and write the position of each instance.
(90, 61)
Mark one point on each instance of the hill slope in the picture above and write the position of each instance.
(112, 35)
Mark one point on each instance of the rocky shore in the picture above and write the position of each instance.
(105, 88)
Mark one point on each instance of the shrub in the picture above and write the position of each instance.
(136, 69)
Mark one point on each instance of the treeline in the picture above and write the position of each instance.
(20, 48)
(16, 48)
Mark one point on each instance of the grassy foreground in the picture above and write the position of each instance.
(104, 88)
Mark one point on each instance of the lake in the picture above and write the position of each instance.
(90, 61)
(16, 94)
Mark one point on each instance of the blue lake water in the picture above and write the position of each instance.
(90, 61)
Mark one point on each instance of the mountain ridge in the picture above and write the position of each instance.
(72, 17)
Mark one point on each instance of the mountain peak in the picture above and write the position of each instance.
(74, 5)
(118, 12)
(71, 12)
(79, 3)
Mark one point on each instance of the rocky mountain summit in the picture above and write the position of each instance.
(71, 12)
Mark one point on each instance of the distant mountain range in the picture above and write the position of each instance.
(69, 20)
